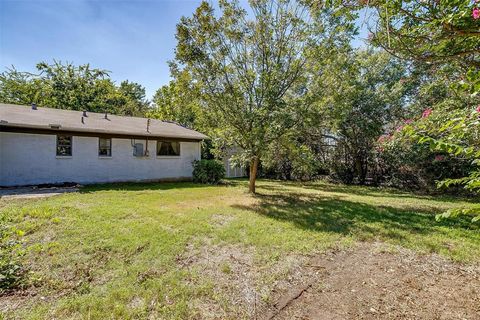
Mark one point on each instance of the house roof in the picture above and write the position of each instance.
(16, 117)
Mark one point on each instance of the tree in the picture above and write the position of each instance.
(65, 86)
(179, 101)
(136, 102)
(250, 68)
(372, 97)
(432, 32)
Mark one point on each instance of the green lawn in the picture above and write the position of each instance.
(120, 251)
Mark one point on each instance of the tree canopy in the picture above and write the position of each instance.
(66, 86)
(179, 101)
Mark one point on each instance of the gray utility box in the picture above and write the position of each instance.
(138, 150)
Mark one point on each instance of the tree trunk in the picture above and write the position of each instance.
(359, 172)
(253, 174)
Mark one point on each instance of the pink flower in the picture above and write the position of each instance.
(439, 157)
(399, 129)
(476, 13)
(408, 121)
(384, 138)
(427, 113)
(478, 109)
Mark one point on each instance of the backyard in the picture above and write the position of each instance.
(185, 250)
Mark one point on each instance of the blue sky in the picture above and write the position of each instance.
(132, 39)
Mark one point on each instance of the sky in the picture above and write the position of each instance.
(133, 39)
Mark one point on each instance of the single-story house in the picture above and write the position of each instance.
(48, 146)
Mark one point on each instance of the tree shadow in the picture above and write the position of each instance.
(335, 214)
(139, 186)
(373, 191)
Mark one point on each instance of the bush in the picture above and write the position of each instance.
(12, 272)
(208, 171)
(408, 165)
(291, 161)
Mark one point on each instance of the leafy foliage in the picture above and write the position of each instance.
(440, 33)
(65, 86)
(289, 160)
(373, 97)
(208, 171)
(12, 270)
(429, 31)
(178, 101)
(458, 134)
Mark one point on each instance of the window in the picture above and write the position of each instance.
(168, 148)
(104, 147)
(64, 146)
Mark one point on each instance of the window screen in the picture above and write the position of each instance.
(168, 148)
(64, 146)
(105, 147)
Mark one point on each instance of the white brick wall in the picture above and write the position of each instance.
(31, 159)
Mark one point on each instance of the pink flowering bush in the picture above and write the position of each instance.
(476, 13)
(402, 163)
(427, 113)
(448, 30)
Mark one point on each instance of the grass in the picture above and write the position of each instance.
(115, 251)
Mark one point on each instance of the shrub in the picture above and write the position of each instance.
(291, 161)
(208, 171)
(405, 164)
(12, 271)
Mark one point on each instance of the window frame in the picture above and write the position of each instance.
(62, 145)
(99, 147)
(168, 155)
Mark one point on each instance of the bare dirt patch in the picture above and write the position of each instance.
(369, 282)
(242, 284)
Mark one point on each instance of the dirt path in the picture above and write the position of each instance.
(369, 283)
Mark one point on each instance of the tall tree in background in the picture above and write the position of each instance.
(65, 86)
(136, 103)
(179, 101)
(372, 96)
(250, 68)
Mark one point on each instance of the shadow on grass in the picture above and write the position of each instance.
(371, 191)
(161, 185)
(363, 221)
(140, 186)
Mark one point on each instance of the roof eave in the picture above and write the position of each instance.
(15, 127)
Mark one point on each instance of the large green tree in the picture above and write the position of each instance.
(66, 86)
(250, 67)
